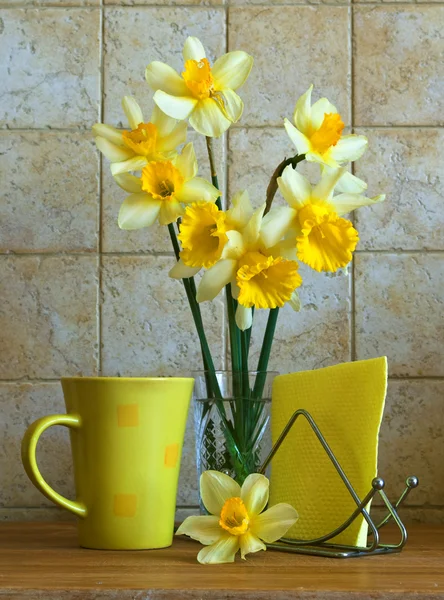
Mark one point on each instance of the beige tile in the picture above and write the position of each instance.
(166, 2)
(399, 308)
(285, 2)
(44, 207)
(156, 238)
(147, 327)
(50, 3)
(317, 336)
(136, 36)
(405, 164)
(292, 48)
(398, 65)
(412, 440)
(21, 405)
(48, 316)
(51, 67)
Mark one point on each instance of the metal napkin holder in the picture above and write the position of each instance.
(322, 546)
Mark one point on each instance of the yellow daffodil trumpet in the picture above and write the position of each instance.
(237, 520)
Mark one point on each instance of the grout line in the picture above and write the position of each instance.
(139, 5)
(353, 353)
(100, 208)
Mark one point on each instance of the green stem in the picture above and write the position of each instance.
(213, 171)
(264, 357)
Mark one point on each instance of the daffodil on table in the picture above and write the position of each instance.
(253, 249)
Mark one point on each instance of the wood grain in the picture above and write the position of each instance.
(43, 561)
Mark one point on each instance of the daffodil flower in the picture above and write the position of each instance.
(317, 133)
(204, 94)
(161, 191)
(203, 233)
(131, 150)
(236, 520)
(257, 277)
(323, 239)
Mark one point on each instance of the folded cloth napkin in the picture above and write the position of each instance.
(346, 401)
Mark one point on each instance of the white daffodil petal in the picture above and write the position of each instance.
(345, 203)
(205, 529)
(136, 163)
(215, 279)
(178, 107)
(132, 111)
(109, 133)
(301, 142)
(230, 104)
(295, 301)
(137, 211)
(208, 118)
(274, 523)
(302, 112)
(327, 183)
(253, 227)
(243, 317)
(250, 543)
(235, 290)
(349, 147)
(231, 70)
(161, 76)
(111, 151)
(318, 111)
(241, 209)
(295, 188)
(254, 493)
(276, 223)
(216, 488)
(193, 49)
(129, 183)
(197, 190)
(178, 136)
(186, 162)
(222, 551)
(235, 246)
(183, 271)
(164, 124)
(350, 183)
(170, 211)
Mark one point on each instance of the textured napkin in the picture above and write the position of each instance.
(347, 402)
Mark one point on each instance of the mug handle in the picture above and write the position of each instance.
(29, 445)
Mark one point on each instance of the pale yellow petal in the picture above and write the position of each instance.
(324, 189)
(215, 279)
(348, 183)
(253, 227)
(241, 209)
(231, 70)
(183, 271)
(230, 104)
(208, 119)
(170, 211)
(129, 183)
(276, 224)
(132, 111)
(178, 107)
(244, 317)
(349, 147)
(302, 112)
(177, 137)
(186, 162)
(322, 159)
(300, 140)
(109, 133)
(197, 190)
(216, 488)
(295, 188)
(161, 76)
(274, 523)
(137, 211)
(254, 493)
(164, 124)
(136, 163)
(235, 246)
(222, 551)
(250, 543)
(204, 529)
(111, 151)
(319, 109)
(345, 203)
(295, 301)
(193, 49)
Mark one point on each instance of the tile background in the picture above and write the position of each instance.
(79, 296)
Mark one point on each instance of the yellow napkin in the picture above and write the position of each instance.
(347, 402)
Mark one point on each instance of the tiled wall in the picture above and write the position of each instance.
(79, 296)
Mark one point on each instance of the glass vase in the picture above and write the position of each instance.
(232, 425)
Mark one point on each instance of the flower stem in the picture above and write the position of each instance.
(264, 357)
(214, 179)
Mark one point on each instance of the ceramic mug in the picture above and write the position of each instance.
(126, 438)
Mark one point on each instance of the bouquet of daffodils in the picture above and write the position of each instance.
(251, 249)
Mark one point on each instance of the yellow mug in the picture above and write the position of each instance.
(126, 438)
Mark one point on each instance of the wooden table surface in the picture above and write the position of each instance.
(43, 561)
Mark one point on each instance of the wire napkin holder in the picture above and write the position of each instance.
(322, 546)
